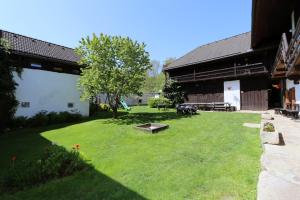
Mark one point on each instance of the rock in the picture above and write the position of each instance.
(270, 137)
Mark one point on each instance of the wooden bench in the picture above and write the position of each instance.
(222, 106)
(215, 106)
(292, 113)
(289, 113)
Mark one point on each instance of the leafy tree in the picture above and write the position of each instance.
(154, 78)
(8, 101)
(173, 91)
(114, 65)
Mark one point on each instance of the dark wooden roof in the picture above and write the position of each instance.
(27, 46)
(232, 46)
(271, 18)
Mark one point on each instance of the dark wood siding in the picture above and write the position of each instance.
(254, 93)
(204, 92)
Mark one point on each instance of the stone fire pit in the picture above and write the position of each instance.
(152, 127)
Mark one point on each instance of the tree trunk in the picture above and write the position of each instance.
(113, 103)
(115, 111)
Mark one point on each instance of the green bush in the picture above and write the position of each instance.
(154, 102)
(104, 107)
(39, 119)
(19, 122)
(269, 127)
(56, 162)
(173, 91)
(43, 118)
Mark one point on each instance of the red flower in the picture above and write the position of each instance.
(13, 158)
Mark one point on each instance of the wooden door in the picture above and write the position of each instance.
(254, 94)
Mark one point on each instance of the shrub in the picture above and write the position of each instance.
(269, 127)
(19, 122)
(104, 107)
(154, 102)
(94, 108)
(173, 91)
(43, 118)
(39, 119)
(56, 162)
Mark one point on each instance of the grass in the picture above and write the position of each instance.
(207, 156)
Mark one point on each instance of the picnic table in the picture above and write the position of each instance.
(216, 106)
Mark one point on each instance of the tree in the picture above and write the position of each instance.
(8, 101)
(154, 78)
(173, 91)
(113, 65)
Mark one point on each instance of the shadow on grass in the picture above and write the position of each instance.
(146, 117)
(28, 144)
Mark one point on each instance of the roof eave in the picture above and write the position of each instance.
(21, 53)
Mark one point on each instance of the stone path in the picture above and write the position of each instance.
(280, 175)
(251, 125)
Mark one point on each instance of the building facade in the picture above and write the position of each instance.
(242, 69)
(48, 78)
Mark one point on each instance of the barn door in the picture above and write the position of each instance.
(232, 93)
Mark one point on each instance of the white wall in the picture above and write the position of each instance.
(289, 85)
(50, 91)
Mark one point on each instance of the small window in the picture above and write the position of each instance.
(35, 65)
(25, 104)
(57, 69)
(70, 105)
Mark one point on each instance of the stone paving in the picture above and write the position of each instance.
(280, 175)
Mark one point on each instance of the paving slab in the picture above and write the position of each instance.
(280, 175)
(251, 125)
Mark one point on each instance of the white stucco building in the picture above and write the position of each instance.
(48, 79)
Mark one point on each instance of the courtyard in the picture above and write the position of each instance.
(210, 155)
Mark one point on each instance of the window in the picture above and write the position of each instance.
(25, 104)
(57, 69)
(70, 105)
(35, 65)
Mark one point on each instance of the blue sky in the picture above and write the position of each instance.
(170, 28)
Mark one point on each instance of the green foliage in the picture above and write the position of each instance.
(8, 102)
(56, 162)
(154, 83)
(173, 91)
(104, 107)
(44, 118)
(96, 108)
(115, 66)
(154, 102)
(269, 127)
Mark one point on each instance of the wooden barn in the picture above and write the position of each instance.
(240, 69)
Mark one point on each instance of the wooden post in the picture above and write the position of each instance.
(234, 67)
(194, 74)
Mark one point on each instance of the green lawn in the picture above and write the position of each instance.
(207, 156)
